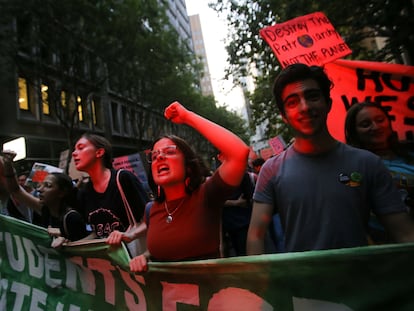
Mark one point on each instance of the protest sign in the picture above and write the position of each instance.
(391, 85)
(17, 145)
(39, 172)
(278, 144)
(310, 39)
(95, 276)
(133, 164)
(266, 153)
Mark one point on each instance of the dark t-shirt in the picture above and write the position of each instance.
(325, 200)
(71, 225)
(235, 217)
(105, 212)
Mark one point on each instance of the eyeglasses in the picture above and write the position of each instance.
(166, 152)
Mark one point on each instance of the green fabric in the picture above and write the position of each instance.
(94, 276)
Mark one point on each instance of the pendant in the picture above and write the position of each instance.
(169, 219)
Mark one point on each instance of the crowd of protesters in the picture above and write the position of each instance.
(317, 194)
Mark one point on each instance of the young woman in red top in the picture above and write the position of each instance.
(184, 220)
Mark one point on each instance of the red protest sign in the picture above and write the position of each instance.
(390, 85)
(277, 143)
(266, 153)
(310, 39)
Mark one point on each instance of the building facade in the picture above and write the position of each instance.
(200, 51)
(51, 106)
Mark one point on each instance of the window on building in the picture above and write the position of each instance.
(93, 108)
(67, 104)
(63, 99)
(27, 96)
(23, 98)
(96, 113)
(45, 99)
(126, 120)
(81, 112)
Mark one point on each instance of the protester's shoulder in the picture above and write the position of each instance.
(357, 153)
(73, 214)
(124, 172)
(125, 175)
(276, 159)
(215, 181)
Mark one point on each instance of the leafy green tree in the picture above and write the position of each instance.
(89, 46)
(355, 20)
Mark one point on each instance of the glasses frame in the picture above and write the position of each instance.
(164, 151)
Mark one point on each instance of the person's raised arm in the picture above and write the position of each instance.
(233, 149)
(12, 185)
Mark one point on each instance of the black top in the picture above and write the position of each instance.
(105, 212)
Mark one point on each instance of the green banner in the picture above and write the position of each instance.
(94, 276)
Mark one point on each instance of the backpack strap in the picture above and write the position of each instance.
(128, 209)
(65, 225)
(147, 212)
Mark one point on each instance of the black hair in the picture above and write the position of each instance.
(300, 72)
(352, 137)
(258, 162)
(69, 200)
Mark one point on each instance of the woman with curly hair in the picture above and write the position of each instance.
(184, 220)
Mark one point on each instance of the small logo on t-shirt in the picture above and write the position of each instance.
(352, 180)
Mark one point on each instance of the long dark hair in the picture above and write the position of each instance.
(352, 137)
(195, 169)
(65, 184)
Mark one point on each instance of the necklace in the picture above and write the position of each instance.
(169, 217)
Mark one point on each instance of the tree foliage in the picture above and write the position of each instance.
(355, 20)
(125, 44)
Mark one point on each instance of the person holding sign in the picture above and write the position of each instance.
(368, 126)
(184, 220)
(324, 190)
(56, 202)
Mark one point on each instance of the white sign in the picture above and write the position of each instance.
(17, 145)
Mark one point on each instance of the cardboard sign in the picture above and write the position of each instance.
(266, 153)
(39, 172)
(310, 39)
(133, 164)
(390, 85)
(17, 145)
(278, 144)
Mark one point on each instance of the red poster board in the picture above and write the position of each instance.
(310, 39)
(266, 153)
(391, 85)
(278, 144)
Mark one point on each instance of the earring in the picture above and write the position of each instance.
(158, 191)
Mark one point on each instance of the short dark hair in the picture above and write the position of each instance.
(258, 162)
(299, 72)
